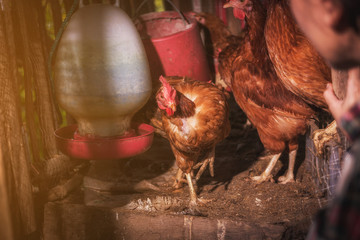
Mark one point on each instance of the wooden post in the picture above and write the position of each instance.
(196, 5)
(177, 3)
(6, 227)
(13, 162)
(36, 72)
(339, 81)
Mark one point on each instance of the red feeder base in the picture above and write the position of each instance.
(104, 148)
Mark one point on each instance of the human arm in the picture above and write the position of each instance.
(346, 112)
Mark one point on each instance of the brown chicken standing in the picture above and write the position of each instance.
(194, 119)
(299, 66)
(216, 31)
(216, 37)
(278, 115)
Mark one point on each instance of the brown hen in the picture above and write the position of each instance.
(216, 37)
(151, 114)
(278, 115)
(216, 33)
(195, 117)
(299, 66)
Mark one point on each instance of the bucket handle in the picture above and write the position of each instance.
(186, 21)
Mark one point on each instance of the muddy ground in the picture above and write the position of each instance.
(233, 195)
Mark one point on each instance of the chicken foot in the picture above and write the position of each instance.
(289, 177)
(208, 161)
(266, 175)
(194, 200)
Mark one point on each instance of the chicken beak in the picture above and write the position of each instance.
(173, 107)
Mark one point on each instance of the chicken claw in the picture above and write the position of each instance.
(266, 175)
(263, 178)
(286, 179)
(322, 136)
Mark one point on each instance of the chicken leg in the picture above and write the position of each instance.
(194, 200)
(266, 175)
(179, 179)
(289, 177)
(209, 160)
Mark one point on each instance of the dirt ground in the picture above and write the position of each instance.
(233, 195)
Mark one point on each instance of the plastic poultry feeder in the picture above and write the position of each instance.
(173, 45)
(102, 78)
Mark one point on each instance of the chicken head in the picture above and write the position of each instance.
(241, 7)
(166, 97)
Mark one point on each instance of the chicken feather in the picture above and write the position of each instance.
(299, 66)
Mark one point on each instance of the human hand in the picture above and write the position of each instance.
(339, 107)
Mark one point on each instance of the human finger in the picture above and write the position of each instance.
(335, 105)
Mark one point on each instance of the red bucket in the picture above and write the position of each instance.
(173, 46)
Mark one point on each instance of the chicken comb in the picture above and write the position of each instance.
(169, 91)
(164, 82)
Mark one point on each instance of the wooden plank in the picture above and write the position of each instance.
(79, 222)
